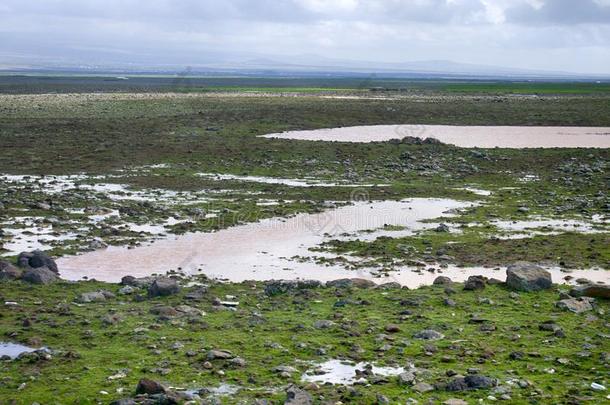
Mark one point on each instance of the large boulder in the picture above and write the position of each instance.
(9, 272)
(36, 260)
(524, 276)
(163, 286)
(591, 290)
(40, 275)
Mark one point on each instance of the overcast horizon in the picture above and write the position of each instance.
(550, 35)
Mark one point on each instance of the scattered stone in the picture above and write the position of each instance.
(454, 401)
(576, 305)
(94, 296)
(149, 387)
(297, 396)
(9, 272)
(423, 387)
(276, 287)
(598, 387)
(392, 328)
(524, 276)
(323, 324)
(591, 290)
(41, 275)
(442, 228)
(163, 286)
(471, 382)
(406, 378)
(475, 283)
(442, 280)
(219, 355)
(351, 283)
(428, 334)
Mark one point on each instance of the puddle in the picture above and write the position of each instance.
(340, 372)
(465, 136)
(13, 350)
(259, 250)
(287, 182)
(525, 229)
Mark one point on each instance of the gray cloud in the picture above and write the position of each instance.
(542, 34)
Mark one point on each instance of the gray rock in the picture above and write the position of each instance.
(591, 290)
(423, 387)
(163, 287)
(219, 355)
(276, 287)
(323, 324)
(297, 396)
(94, 296)
(474, 283)
(351, 283)
(576, 305)
(471, 382)
(442, 280)
(524, 276)
(428, 334)
(406, 378)
(41, 275)
(9, 272)
(36, 259)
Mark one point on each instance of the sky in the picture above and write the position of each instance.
(554, 35)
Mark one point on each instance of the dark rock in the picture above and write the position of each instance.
(125, 401)
(428, 334)
(475, 283)
(276, 287)
(36, 259)
(591, 290)
(40, 275)
(443, 228)
(351, 283)
(297, 396)
(524, 276)
(163, 287)
(390, 286)
(471, 382)
(392, 328)
(9, 272)
(442, 280)
(219, 355)
(149, 387)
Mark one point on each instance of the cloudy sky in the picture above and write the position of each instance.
(557, 35)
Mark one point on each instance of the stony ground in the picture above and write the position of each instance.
(140, 157)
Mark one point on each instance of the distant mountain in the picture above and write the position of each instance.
(296, 65)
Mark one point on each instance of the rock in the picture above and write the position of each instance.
(94, 296)
(163, 287)
(351, 283)
(382, 400)
(9, 272)
(392, 328)
(576, 305)
(428, 334)
(474, 283)
(297, 396)
(455, 401)
(285, 369)
(219, 355)
(276, 287)
(524, 276)
(423, 387)
(591, 290)
(323, 324)
(442, 228)
(406, 378)
(164, 311)
(598, 387)
(127, 290)
(144, 282)
(40, 275)
(149, 387)
(390, 286)
(471, 382)
(36, 259)
(442, 280)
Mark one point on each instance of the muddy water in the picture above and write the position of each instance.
(267, 249)
(466, 136)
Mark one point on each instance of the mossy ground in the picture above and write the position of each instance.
(266, 332)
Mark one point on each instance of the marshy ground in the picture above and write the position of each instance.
(81, 170)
